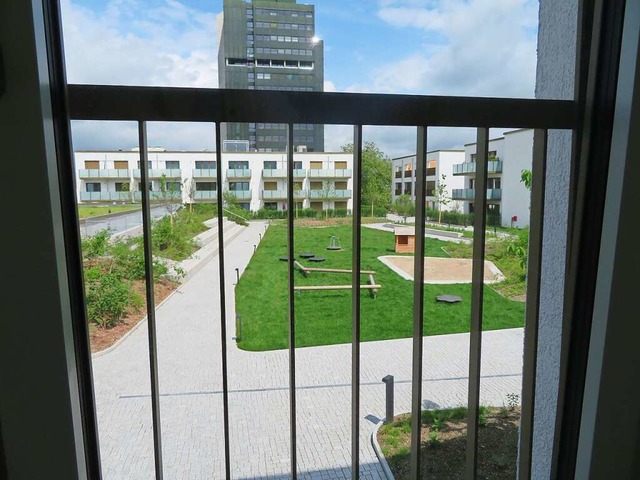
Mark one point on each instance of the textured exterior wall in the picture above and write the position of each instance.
(555, 80)
(516, 199)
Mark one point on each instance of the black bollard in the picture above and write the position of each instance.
(389, 399)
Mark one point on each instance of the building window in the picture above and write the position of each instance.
(271, 205)
(403, 239)
(244, 206)
(494, 183)
(270, 165)
(297, 165)
(172, 164)
(271, 186)
(205, 186)
(205, 165)
(92, 187)
(471, 208)
(238, 165)
(407, 188)
(92, 165)
(140, 186)
(239, 186)
(122, 187)
(121, 165)
(173, 186)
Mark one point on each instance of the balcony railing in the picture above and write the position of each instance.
(105, 196)
(159, 172)
(148, 104)
(206, 195)
(470, 167)
(274, 173)
(238, 173)
(204, 173)
(470, 194)
(106, 173)
(274, 194)
(241, 194)
(330, 173)
(323, 194)
(431, 172)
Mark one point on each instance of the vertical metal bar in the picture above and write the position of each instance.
(418, 302)
(223, 303)
(292, 321)
(534, 267)
(477, 294)
(151, 304)
(355, 314)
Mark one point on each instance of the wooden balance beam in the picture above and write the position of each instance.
(334, 287)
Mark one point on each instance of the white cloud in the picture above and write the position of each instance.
(132, 44)
(476, 48)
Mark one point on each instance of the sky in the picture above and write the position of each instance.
(426, 47)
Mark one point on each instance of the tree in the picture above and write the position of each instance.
(328, 191)
(442, 196)
(190, 187)
(131, 188)
(404, 206)
(169, 193)
(376, 176)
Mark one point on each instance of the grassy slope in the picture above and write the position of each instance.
(324, 317)
(85, 211)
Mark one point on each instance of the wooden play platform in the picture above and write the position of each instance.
(370, 285)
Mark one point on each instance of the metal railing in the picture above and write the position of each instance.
(241, 194)
(205, 195)
(104, 173)
(238, 173)
(159, 172)
(320, 194)
(144, 104)
(274, 173)
(204, 173)
(470, 193)
(105, 196)
(330, 173)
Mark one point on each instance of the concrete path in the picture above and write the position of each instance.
(191, 402)
(118, 224)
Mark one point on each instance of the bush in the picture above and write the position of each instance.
(128, 258)
(96, 245)
(308, 213)
(109, 297)
(377, 211)
(270, 214)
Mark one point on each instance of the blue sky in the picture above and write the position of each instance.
(438, 47)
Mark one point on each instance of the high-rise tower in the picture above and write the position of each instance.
(271, 45)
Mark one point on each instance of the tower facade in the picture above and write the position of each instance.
(271, 45)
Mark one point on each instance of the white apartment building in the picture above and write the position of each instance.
(258, 180)
(439, 162)
(506, 194)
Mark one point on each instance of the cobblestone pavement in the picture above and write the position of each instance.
(191, 391)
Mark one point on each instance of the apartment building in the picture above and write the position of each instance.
(439, 162)
(258, 180)
(271, 45)
(506, 194)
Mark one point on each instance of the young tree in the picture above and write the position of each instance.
(376, 176)
(169, 196)
(189, 184)
(442, 196)
(328, 191)
(404, 206)
(525, 177)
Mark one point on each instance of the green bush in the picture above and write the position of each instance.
(377, 211)
(109, 296)
(128, 258)
(308, 213)
(96, 245)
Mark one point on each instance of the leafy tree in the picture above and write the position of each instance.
(328, 191)
(442, 196)
(404, 206)
(190, 188)
(376, 176)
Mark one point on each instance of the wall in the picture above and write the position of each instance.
(554, 80)
(516, 199)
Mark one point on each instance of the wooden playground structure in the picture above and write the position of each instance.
(306, 271)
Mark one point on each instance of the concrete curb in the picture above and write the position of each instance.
(378, 450)
(107, 215)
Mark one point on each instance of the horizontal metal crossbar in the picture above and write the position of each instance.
(169, 104)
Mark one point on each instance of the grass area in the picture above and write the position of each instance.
(324, 317)
(86, 211)
(515, 284)
(443, 443)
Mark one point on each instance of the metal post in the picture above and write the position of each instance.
(237, 276)
(388, 380)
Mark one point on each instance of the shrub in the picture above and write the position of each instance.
(96, 245)
(308, 213)
(108, 297)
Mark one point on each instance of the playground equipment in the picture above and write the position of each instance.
(334, 243)
(370, 285)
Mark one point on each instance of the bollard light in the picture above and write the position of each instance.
(388, 380)
(237, 276)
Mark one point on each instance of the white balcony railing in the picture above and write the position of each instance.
(330, 173)
(104, 173)
(470, 194)
(470, 167)
(238, 173)
(105, 196)
(204, 173)
(323, 194)
(159, 172)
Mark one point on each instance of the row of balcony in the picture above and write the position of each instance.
(470, 194)
(470, 167)
(211, 173)
(213, 195)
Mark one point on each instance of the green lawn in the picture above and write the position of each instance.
(85, 211)
(324, 317)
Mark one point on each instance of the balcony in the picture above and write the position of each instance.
(431, 172)
(159, 172)
(105, 196)
(274, 173)
(468, 168)
(241, 194)
(408, 173)
(204, 173)
(322, 194)
(274, 194)
(330, 173)
(238, 173)
(206, 195)
(470, 194)
(106, 173)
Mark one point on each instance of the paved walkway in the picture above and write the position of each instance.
(191, 402)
